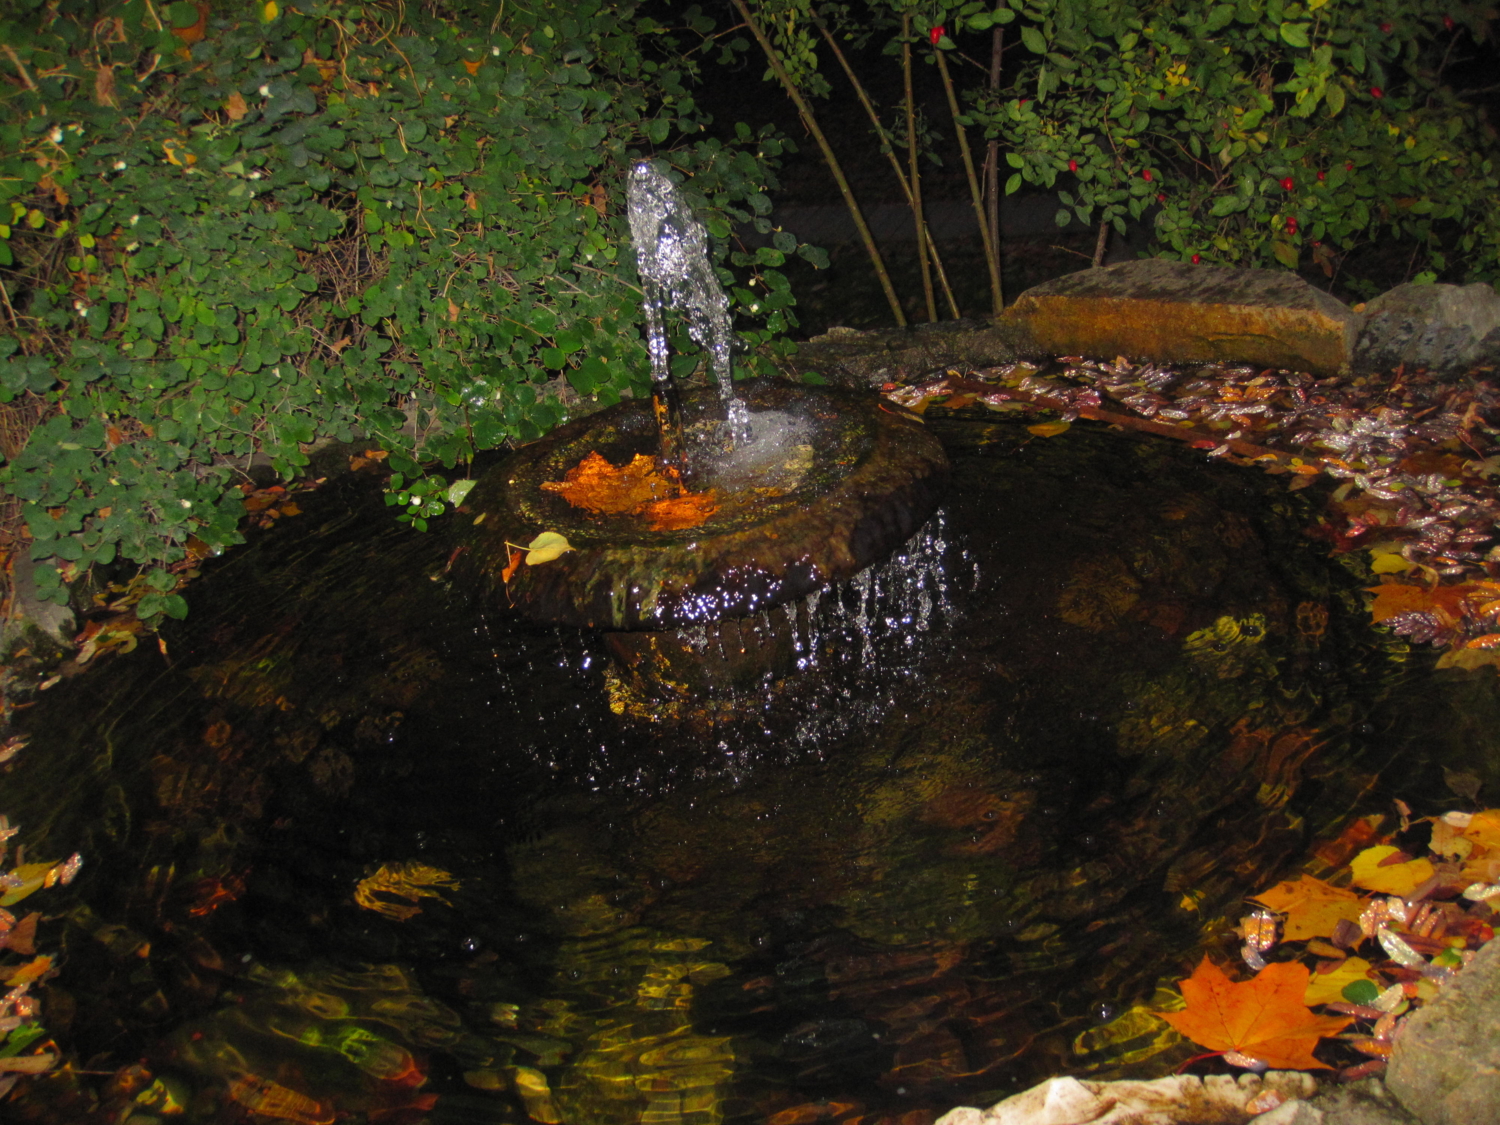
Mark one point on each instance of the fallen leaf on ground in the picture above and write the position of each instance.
(1374, 874)
(1312, 907)
(1264, 1018)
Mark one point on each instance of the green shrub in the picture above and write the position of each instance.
(1257, 132)
(233, 234)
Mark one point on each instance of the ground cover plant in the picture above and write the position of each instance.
(230, 234)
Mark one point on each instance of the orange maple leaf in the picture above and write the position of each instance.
(1264, 1017)
(1312, 907)
(688, 510)
(638, 487)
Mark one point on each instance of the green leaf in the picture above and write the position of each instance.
(1035, 42)
(1295, 34)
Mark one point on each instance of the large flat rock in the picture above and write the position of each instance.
(1445, 1068)
(1177, 312)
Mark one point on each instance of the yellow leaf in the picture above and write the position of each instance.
(235, 106)
(546, 547)
(1386, 558)
(178, 154)
(33, 877)
(29, 972)
(1328, 988)
(270, 10)
(1392, 879)
(1048, 429)
(1312, 907)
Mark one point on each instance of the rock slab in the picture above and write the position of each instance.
(1441, 328)
(1178, 312)
(1445, 1068)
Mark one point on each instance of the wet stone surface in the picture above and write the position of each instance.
(354, 841)
(848, 481)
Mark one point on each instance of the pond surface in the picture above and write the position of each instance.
(357, 851)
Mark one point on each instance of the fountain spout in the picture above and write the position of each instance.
(671, 249)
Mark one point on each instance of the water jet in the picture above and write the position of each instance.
(800, 487)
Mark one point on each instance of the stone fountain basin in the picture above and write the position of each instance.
(851, 479)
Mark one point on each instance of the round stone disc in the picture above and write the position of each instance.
(830, 483)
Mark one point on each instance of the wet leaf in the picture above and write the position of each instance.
(22, 938)
(1372, 873)
(1329, 987)
(458, 490)
(26, 880)
(413, 881)
(1263, 1018)
(1312, 907)
(34, 969)
(269, 1099)
(681, 512)
(546, 547)
(597, 486)
(1048, 429)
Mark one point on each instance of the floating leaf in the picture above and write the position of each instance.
(1263, 1018)
(1312, 907)
(1401, 878)
(458, 490)
(1332, 986)
(546, 547)
(1048, 429)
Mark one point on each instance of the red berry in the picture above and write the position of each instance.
(1385, 26)
(1022, 103)
(1161, 197)
(1448, 23)
(1291, 224)
(936, 34)
(1376, 92)
(1322, 176)
(1288, 183)
(1348, 165)
(1072, 166)
(1197, 258)
(1146, 175)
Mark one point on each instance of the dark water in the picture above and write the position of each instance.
(1110, 691)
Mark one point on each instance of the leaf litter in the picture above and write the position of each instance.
(1360, 950)
(1413, 463)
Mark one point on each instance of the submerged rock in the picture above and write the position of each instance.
(1176, 312)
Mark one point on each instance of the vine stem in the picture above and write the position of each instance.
(991, 248)
(805, 112)
(890, 152)
(914, 173)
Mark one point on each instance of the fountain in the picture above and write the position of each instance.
(720, 506)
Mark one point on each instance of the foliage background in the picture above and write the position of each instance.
(232, 233)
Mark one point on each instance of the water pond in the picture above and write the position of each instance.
(357, 851)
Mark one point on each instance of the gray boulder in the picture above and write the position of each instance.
(1441, 328)
(1445, 1068)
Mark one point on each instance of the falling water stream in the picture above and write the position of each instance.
(356, 850)
(672, 258)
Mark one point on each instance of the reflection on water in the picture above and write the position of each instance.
(355, 853)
